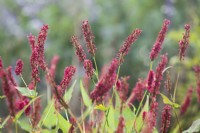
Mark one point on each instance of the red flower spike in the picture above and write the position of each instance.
(105, 83)
(150, 79)
(184, 43)
(158, 75)
(124, 49)
(68, 73)
(19, 67)
(159, 41)
(40, 46)
(9, 90)
(166, 117)
(89, 70)
(79, 50)
(88, 36)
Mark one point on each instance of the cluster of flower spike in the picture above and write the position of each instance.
(89, 70)
(15, 100)
(37, 55)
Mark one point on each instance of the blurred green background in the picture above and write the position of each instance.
(111, 22)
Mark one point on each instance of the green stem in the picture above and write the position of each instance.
(177, 120)
(96, 68)
(151, 65)
(140, 105)
(23, 80)
(174, 97)
(16, 127)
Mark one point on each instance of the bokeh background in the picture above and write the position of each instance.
(111, 22)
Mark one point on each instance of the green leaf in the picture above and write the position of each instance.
(45, 131)
(194, 128)
(139, 121)
(117, 99)
(111, 119)
(49, 117)
(169, 102)
(129, 117)
(17, 116)
(68, 93)
(24, 91)
(101, 107)
(63, 124)
(87, 101)
(24, 124)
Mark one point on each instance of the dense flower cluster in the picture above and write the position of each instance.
(68, 73)
(40, 46)
(183, 44)
(9, 91)
(166, 117)
(21, 103)
(150, 79)
(159, 75)
(159, 41)
(19, 67)
(105, 83)
(88, 68)
(88, 37)
(34, 58)
(79, 50)
(124, 49)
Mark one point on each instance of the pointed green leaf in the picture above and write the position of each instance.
(63, 124)
(129, 117)
(111, 119)
(48, 117)
(24, 91)
(194, 128)
(87, 101)
(68, 93)
(169, 102)
(24, 124)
